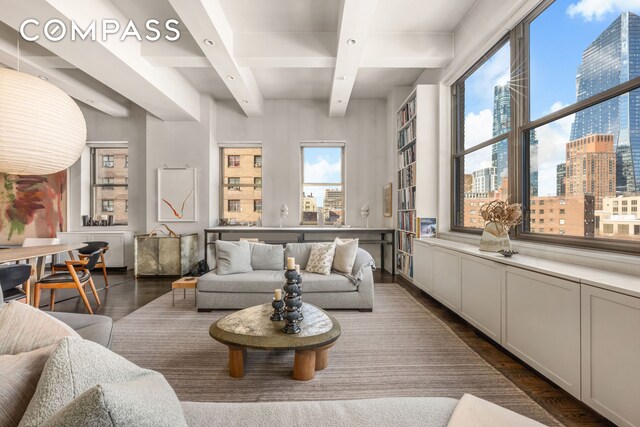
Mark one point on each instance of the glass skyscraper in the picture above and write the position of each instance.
(611, 59)
(500, 150)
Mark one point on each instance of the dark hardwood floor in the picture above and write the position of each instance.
(126, 294)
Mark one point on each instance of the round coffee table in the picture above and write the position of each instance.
(252, 328)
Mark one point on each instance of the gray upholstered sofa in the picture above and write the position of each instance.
(335, 291)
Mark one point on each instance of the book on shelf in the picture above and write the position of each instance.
(407, 198)
(426, 227)
(407, 135)
(405, 242)
(407, 176)
(406, 113)
(404, 264)
(407, 157)
(407, 221)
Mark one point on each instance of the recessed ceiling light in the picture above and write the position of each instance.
(245, 101)
(43, 78)
(339, 101)
(345, 77)
(90, 101)
(230, 77)
(351, 42)
(209, 42)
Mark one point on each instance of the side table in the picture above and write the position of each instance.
(184, 283)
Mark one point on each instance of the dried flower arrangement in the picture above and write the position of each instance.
(502, 213)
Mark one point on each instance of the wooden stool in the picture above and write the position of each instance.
(184, 284)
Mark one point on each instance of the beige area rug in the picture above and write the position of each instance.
(400, 349)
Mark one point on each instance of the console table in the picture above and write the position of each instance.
(387, 236)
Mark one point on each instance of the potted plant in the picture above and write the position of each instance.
(499, 217)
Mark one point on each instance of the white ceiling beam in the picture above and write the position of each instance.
(206, 20)
(355, 24)
(285, 50)
(161, 91)
(83, 88)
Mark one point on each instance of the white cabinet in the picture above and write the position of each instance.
(423, 267)
(446, 278)
(611, 354)
(541, 325)
(120, 253)
(481, 294)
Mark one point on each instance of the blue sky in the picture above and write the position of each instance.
(322, 165)
(558, 37)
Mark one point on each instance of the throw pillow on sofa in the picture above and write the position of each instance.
(321, 258)
(299, 251)
(19, 375)
(84, 383)
(24, 328)
(345, 256)
(233, 257)
(266, 257)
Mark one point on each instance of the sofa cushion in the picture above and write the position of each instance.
(232, 257)
(345, 255)
(131, 395)
(299, 251)
(19, 375)
(96, 328)
(403, 411)
(267, 257)
(24, 328)
(321, 258)
(265, 281)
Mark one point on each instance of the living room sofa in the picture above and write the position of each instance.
(334, 291)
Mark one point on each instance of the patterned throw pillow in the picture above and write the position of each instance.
(321, 258)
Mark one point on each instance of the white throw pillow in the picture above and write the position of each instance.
(321, 258)
(345, 257)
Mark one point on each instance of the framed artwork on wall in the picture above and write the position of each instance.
(177, 201)
(387, 199)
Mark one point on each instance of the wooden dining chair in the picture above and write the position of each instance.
(84, 253)
(77, 276)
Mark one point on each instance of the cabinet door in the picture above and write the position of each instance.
(481, 293)
(541, 325)
(446, 278)
(423, 267)
(114, 257)
(611, 354)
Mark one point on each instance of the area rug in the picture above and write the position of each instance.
(400, 349)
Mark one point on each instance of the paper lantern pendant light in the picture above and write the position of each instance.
(42, 130)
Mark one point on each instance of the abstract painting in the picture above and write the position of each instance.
(177, 195)
(32, 206)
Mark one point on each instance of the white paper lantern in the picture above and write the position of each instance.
(42, 130)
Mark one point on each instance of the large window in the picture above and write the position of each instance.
(241, 185)
(110, 183)
(322, 198)
(575, 134)
(481, 149)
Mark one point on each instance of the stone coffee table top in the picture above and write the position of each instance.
(252, 328)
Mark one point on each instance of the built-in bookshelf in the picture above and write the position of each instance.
(406, 190)
(417, 170)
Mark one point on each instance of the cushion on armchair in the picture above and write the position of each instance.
(84, 383)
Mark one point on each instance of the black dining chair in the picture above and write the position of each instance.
(77, 276)
(11, 278)
(84, 253)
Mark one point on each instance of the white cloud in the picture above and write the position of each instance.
(478, 127)
(597, 9)
(322, 171)
(553, 139)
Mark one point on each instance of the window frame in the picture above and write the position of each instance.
(342, 184)
(93, 174)
(518, 145)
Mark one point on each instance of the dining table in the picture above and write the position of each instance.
(35, 255)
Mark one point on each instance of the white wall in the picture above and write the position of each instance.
(102, 127)
(286, 124)
(177, 144)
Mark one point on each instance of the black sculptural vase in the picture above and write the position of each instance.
(292, 302)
